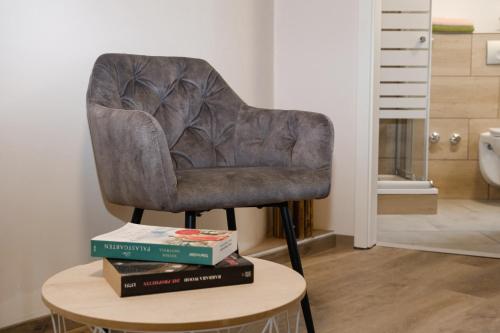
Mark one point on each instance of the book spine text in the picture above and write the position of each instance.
(152, 252)
(160, 283)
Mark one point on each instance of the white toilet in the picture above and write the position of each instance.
(489, 156)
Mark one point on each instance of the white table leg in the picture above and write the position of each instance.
(58, 323)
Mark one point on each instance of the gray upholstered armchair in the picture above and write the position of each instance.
(169, 134)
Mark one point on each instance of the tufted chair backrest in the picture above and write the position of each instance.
(192, 103)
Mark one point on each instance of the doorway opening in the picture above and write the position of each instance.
(439, 96)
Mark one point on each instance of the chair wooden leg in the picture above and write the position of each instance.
(137, 215)
(190, 220)
(293, 251)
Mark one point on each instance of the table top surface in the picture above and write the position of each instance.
(82, 294)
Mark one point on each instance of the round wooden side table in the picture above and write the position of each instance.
(270, 304)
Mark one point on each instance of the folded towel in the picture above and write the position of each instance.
(456, 29)
(452, 25)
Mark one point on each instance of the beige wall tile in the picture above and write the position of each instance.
(458, 179)
(418, 151)
(464, 97)
(407, 204)
(451, 54)
(386, 166)
(479, 66)
(387, 137)
(443, 150)
(494, 193)
(478, 126)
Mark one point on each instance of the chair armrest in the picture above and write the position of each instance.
(132, 158)
(283, 138)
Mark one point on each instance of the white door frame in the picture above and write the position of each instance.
(367, 123)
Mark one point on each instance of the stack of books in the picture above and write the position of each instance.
(142, 259)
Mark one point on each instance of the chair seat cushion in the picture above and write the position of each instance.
(209, 188)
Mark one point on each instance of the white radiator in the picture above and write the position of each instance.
(405, 59)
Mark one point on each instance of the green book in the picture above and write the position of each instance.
(176, 245)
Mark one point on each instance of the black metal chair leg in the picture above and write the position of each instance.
(293, 251)
(231, 221)
(137, 215)
(190, 220)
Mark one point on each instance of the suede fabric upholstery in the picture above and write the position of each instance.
(247, 186)
(169, 134)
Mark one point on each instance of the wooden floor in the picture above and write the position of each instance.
(393, 290)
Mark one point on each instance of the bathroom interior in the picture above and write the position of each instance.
(439, 131)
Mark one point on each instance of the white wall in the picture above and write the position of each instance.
(485, 14)
(315, 69)
(49, 196)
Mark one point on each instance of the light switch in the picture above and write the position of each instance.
(493, 52)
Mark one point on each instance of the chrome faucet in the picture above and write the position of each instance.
(455, 138)
(434, 137)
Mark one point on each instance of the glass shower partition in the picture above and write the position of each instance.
(402, 150)
(404, 97)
